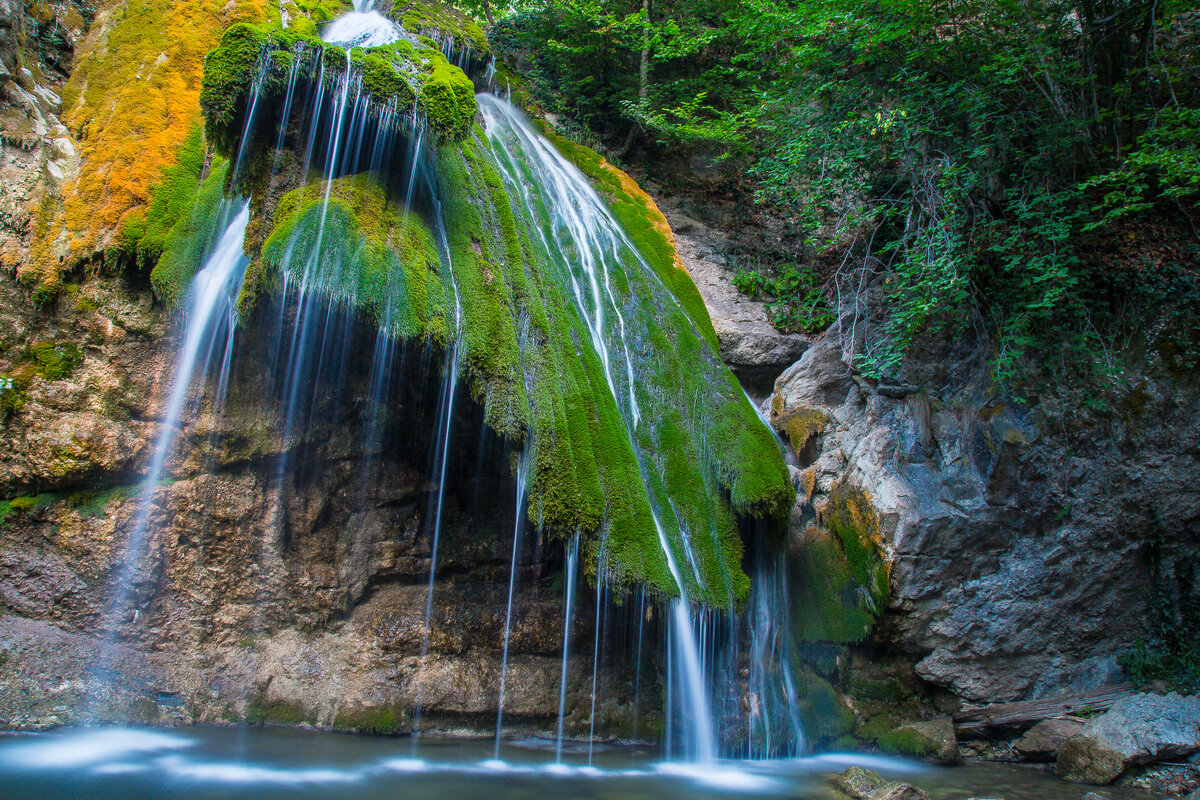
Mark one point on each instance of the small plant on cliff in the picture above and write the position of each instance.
(1171, 653)
(795, 297)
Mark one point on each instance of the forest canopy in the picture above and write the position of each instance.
(1029, 169)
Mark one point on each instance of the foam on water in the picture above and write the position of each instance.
(362, 29)
(718, 776)
(405, 765)
(94, 746)
(232, 772)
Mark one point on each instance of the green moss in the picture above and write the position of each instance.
(373, 720)
(148, 233)
(447, 98)
(360, 249)
(263, 711)
(824, 714)
(905, 742)
(838, 576)
(29, 504)
(192, 235)
(230, 70)
(443, 20)
(394, 75)
(55, 361)
(591, 473)
(93, 503)
(644, 223)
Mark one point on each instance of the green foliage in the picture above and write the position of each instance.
(949, 154)
(968, 159)
(1171, 650)
(796, 299)
(584, 59)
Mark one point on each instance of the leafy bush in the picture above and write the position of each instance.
(795, 297)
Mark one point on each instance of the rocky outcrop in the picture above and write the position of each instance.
(1015, 532)
(752, 347)
(37, 152)
(1044, 740)
(1137, 730)
(295, 597)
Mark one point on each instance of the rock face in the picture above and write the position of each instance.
(1136, 730)
(1043, 741)
(753, 348)
(1016, 533)
(263, 594)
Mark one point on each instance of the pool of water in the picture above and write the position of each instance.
(148, 763)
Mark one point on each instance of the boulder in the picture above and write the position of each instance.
(932, 739)
(1139, 729)
(898, 791)
(858, 782)
(1043, 741)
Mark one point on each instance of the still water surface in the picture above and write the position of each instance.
(191, 763)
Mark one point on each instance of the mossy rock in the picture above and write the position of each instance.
(387, 266)
(132, 102)
(54, 361)
(388, 720)
(393, 76)
(442, 21)
(261, 710)
(839, 575)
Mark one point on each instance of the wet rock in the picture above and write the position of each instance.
(859, 782)
(1094, 796)
(1043, 741)
(1139, 729)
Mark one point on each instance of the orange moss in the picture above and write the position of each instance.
(131, 101)
(658, 220)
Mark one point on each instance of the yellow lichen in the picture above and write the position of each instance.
(131, 101)
(800, 425)
(810, 482)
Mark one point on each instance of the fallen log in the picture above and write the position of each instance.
(1026, 713)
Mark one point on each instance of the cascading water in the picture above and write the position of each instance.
(367, 156)
(209, 319)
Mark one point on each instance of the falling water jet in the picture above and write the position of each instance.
(446, 415)
(568, 609)
(600, 567)
(210, 313)
(588, 223)
(522, 481)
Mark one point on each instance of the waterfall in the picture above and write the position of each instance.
(209, 317)
(368, 254)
